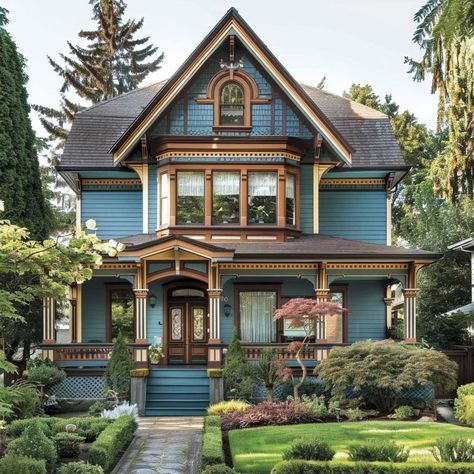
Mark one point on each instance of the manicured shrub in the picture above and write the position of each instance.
(88, 427)
(212, 420)
(117, 373)
(338, 467)
(16, 464)
(384, 370)
(17, 427)
(229, 406)
(463, 404)
(236, 372)
(403, 412)
(454, 450)
(354, 414)
(24, 401)
(212, 449)
(378, 451)
(112, 442)
(80, 468)
(68, 445)
(44, 372)
(35, 444)
(269, 413)
(310, 450)
(218, 469)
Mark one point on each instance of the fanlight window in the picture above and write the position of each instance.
(232, 104)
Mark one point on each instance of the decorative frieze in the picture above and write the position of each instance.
(367, 266)
(268, 266)
(229, 155)
(110, 184)
(377, 184)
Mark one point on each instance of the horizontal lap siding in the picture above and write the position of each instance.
(358, 215)
(117, 213)
(306, 199)
(155, 315)
(152, 199)
(93, 310)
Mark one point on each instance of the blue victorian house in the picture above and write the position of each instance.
(233, 188)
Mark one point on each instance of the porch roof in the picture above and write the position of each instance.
(315, 247)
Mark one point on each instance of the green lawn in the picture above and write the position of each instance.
(257, 450)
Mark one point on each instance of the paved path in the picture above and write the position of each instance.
(164, 445)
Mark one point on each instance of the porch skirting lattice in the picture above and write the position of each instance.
(80, 387)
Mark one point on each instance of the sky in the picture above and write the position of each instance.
(349, 41)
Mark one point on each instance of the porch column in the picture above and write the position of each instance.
(410, 314)
(321, 295)
(141, 355)
(214, 359)
(49, 317)
(73, 313)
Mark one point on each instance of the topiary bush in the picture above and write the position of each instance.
(15, 464)
(80, 468)
(229, 406)
(453, 450)
(309, 449)
(44, 372)
(384, 370)
(378, 451)
(403, 412)
(68, 445)
(117, 373)
(218, 469)
(35, 444)
(17, 427)
(88, 427)
(464, 404)
(212, 448)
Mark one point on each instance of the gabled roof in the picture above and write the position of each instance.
(465, 245)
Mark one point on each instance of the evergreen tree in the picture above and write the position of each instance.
(20, 184)
(117, 373)
(236, 372)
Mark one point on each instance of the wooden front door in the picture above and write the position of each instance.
(187, 331)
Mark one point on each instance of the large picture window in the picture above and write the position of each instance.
(190, 197)
(225, 197)
(121, 313)
(232, 104)
(290, 193)
(262, 198)
(256, 310)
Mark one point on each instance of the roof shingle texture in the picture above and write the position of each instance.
(96, 129)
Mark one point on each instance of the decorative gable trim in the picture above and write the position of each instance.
(231, 23)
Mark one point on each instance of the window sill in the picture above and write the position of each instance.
(231, 128)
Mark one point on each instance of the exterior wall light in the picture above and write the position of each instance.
(152, 299)
(227, 310)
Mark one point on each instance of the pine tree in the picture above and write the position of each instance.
(117, 373)
(20, 184)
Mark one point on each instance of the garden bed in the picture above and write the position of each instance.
(257, 450)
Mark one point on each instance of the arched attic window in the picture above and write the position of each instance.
(232, 105)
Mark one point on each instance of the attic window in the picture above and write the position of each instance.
(232, 105)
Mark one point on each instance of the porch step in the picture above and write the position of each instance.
(177, 391)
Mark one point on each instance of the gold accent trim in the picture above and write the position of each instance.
(111, 182)
(141, 293)
(410, 292)
(214, 293)
(276, 266)
(367, 266)
(353, 181)
(118, 266)
(206, 154)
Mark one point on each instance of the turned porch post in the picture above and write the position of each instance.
(73, 313)
(321, 294)
(141, 355)
(214, 359)
(49, 318)
(388, 300)
(410, 315)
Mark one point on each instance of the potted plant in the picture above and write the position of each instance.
(155, 354)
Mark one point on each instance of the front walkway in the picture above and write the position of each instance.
(164, 445)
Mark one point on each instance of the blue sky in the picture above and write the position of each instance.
(362, 41)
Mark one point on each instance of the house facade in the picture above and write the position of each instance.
(234, 188)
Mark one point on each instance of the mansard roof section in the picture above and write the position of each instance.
(232, 24)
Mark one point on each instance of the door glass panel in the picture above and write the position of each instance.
(198, 324)
(121, 313)
(176, 324)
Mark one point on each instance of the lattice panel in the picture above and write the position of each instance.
(80, 387)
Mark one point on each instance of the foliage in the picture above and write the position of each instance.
(23, 401)
(378, 451)
(35, 444)
(44, 372)
(403, 412)
(218, 469)
(236, 372)
(212, 420)
(310, 449)
(112, 442)
(269, 413)
(124, 409)
(463, 404)
(354, 414)
(80, 467)
(117, 373)
(310, 387)
(454, 450)
(316, 405)
(341, 467)
(304, 313)
(98, 407)
(382, 370)
(212, 448)
(17, 427)
(68, 445)
(268, 371)
(228, 406)
(13, 464)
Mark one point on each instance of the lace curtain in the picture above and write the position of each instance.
(256, 316)
(225, 184)
(190, 183)
(262, 184)
(290, 186)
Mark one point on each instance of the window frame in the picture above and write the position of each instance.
(342, 288)
(277, 199)
(295, 202)
(109, 287)
(184, 170)
(235, 171)
(161, 212)
(221, 104)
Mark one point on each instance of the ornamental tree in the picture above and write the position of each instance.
(306, 314)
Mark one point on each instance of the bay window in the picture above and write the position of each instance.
(225, 197)
(190, 197)
(262, 197)
(290, 207)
